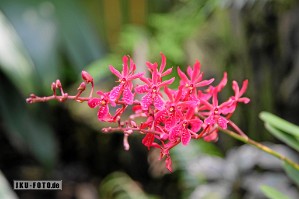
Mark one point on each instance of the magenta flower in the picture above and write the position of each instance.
(125, 79)
(194, 81)
(153, 85)
(185, 128)
(186, 112)
(102, 103)
(231, 104)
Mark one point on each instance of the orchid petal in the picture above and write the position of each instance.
(195, 125)
(210, 120)
(196, 70)
(163, 62)
(236, 88)
(168, 163)
(142, 89)
(115, 72)
(167, 72)
(128, 96)
(137, 75)
(182, 76)
(222, 83)
(204, 83)
(145, 80)
(93, 102)
(148, 140)
(213, 136)
(146, 101)
(244, 87)
(185, 137)
(245, 100)
(174, 133)
(168, 93)
(103, 113)
(125, 66)
(222, 122)
(166, 82)
(115, 93)
(158, 102)
(132, 66)
(189, 71)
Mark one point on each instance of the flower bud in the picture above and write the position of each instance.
(58, 84)
(82, 86)
(86, 77)
(53, 86)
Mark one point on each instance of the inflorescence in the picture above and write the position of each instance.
(165, 117)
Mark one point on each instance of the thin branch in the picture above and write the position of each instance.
(260, 146)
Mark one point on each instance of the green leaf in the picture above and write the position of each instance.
(272, 193)
(288, 139)
(25, 131)
(280, 123)
(14, 59)
(292, 172)
(118, 185)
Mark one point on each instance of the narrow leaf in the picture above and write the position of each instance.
(292, 173)
(288, 139)
(280, 123)
(272, 193)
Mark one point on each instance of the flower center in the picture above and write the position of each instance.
(171, 109)
(123, 80)
(103, 102)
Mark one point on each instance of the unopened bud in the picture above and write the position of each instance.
(82, 86)
(58, 84)
(29, 100)
(126, 142)
(53, 86)
(133, 124)
(86, 77)
(32, 95)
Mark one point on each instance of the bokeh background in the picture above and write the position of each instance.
(41, 41)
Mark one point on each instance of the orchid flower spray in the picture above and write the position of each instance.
(165, 117)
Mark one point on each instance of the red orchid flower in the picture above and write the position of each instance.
(125, 79)
(102, 102)
(187, 127)
(194, 80)
(153, 85)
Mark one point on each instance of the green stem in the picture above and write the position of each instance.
(260, 146)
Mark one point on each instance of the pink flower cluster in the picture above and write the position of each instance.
(164, 116)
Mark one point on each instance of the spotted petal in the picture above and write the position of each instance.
(128, 96)
(93, 102)
(174, 133)
(146, 101)
(115, 93)
(103, 113)
(210, 120)
(185, 137)
(141, 89)
(222, 122)
(195, 125)
(158, 102)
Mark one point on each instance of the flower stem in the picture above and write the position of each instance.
(260, 146)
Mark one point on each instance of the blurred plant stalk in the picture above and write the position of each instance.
(260, 146)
